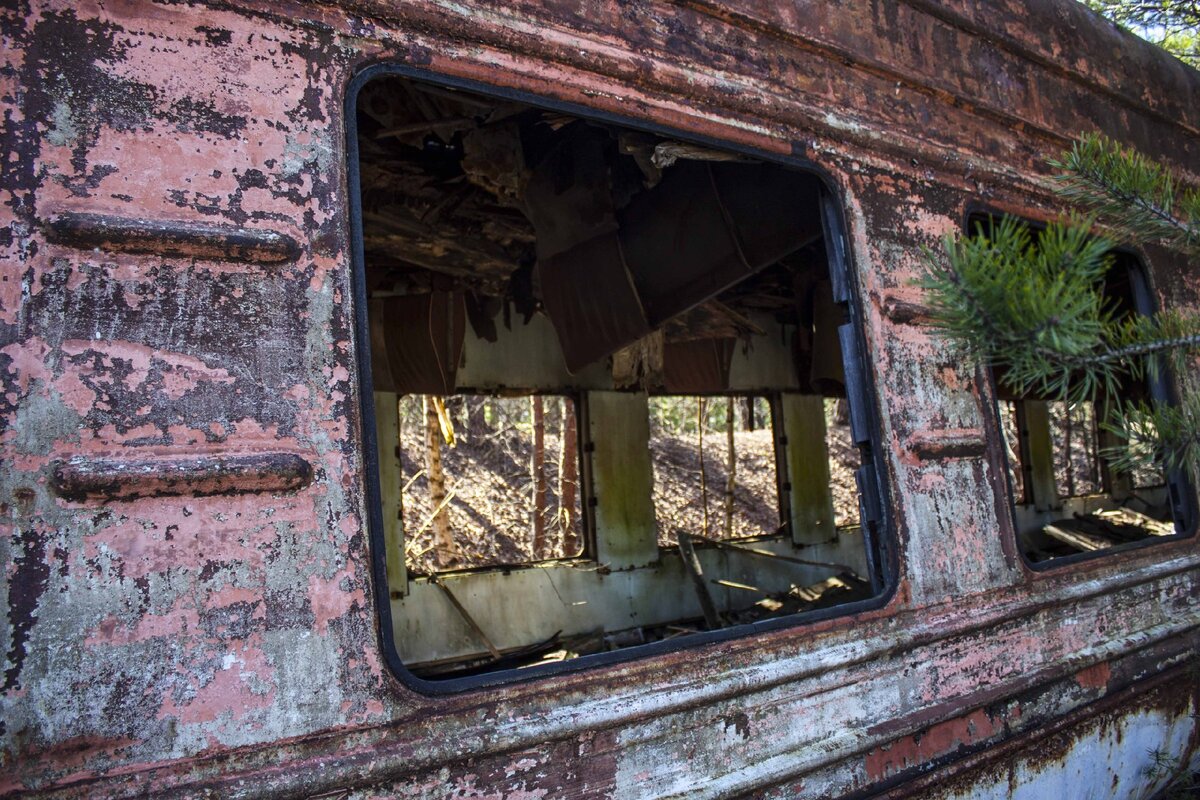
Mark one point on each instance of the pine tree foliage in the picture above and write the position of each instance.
(1032, 303)
(1162, 436)
(1138, 198)
(1173, 25)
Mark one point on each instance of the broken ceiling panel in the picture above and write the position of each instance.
(612, 234)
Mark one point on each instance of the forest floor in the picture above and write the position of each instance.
(488, 477)
(489, 481)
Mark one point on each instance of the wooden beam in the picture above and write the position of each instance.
(1077, 539)
(618, 428)
(755, 551)
(1033, 420)
(467, 618)
(811, 497)
(691, 565)
(427, 125)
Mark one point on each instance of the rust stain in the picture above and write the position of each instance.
(1096, 676)
(931, 744)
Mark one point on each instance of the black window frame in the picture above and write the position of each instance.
(878, 526)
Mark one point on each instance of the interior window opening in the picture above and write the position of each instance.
(842, 456)
(617, 390)
(488, 481)
(1076, 440)
(1067, 500)
(1010, 428)
(714, 467)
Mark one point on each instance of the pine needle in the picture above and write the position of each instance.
(1033, 304)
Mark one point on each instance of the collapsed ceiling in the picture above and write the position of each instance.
(618, 236)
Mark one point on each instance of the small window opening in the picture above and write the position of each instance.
(1066, 498)
(1076, 441)
(843, 458)
(1010, 427)
(489, 481)
(714, 468)
(617, 397)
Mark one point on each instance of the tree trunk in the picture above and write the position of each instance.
(700, 409)
(730, 468)
(443, 543)
(1068, 431)
(749, 421)
(841, 416)
(1091, 441)
(538, 468)
(568, 478)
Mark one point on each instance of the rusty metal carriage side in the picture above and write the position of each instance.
(187, 570)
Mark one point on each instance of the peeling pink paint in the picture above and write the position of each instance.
(227, 644)
(939, 740)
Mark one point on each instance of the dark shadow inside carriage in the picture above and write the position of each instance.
(617, 396)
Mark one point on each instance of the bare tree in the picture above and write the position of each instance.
(443, 542)
(730, 468)
(568, 477)
(538, 468)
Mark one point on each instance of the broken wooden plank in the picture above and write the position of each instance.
(427, 125)
(466, 615)
(1121, 530)
(743, 586)
(1128, 516)
(1081, 541)
(691, 565)
(756, 551)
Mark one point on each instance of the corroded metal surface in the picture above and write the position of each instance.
(169, 238)
(180, 642)
(81, 479)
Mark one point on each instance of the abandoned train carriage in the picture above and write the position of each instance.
(262, 260)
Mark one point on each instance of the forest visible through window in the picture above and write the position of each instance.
(489, 481)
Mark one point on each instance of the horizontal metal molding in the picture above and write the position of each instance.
(176, 238)
(80, 479)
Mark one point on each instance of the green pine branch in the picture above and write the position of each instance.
(1165, 437)
(1033, 304)
(1173, 25)
(1137, 197)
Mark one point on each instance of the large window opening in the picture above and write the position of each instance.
(1068, 500)
(617, 390)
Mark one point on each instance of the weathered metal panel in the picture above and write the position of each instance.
(205, 329)
(176, 291)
